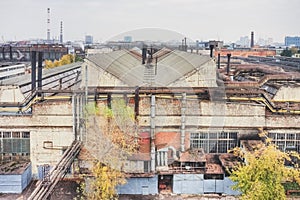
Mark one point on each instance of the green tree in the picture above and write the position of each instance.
(111, 138)
(262, 176)
(287, 53)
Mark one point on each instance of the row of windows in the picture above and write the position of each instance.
(213, 142)
(16, 134)
(14, 143)
(286, 141)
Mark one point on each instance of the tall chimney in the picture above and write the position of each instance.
(33, 71)
(228, 63)
(48, 24)
(252, 40)
(40, 68)
(61, 32)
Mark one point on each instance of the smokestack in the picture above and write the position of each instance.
(40, 68)
(228, 63)
(252, 40)
(33, 71)
(61, 32)
(185, 46)
(211, 47)
(48, 24)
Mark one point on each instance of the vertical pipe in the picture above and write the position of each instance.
(3, 53)
(109, 100)
(10, 53)
(219, 57)
(74, 117)
(40, 71)
(152, 132)
(211, 47)
(228, 63)
(144, 54)
(136, 102)
(86, 84)
(165, 158)
(183, 120)
(33, 71)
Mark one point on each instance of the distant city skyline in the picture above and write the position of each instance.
(196, 19)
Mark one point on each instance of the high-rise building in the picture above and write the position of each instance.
(292, 41)
(88, 39)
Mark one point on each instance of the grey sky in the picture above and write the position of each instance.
(197, 19)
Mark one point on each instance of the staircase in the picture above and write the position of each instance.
(149, 74)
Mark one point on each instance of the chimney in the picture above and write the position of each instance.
(61, 32)
(40, 70)
(211, 47)
(252, 40)
(33, 71)
(48, 24)
(228, 63)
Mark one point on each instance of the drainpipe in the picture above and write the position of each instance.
(183, 120)
(33, 71)
(40, 72)
(219, 57)
(211, 47)
(228, 63)
(152, 132)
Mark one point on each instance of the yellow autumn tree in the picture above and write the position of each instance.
(64, 60)
(264, 172)
(111, 138)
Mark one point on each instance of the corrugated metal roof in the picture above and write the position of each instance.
(128, 68)
(26, 79)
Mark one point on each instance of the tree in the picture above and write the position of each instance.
(65, 59)
(287, 53)
(111, 138)
(263, 174)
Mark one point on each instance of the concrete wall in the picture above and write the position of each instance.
(287, 94)
(49, 122)
(15, 183)
(142, 185)
(202, 113)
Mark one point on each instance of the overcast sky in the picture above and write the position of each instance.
(226, 20)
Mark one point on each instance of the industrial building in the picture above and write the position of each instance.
(189, 109)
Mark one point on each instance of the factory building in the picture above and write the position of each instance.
(189, 113)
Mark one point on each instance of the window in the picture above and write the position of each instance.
(213, 142)
(14, 143)
(286, 141)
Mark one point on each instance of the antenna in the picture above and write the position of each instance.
(48, 24)
(61, 32)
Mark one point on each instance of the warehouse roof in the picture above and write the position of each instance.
(170, 67)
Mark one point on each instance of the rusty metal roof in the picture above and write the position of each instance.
(193, 156)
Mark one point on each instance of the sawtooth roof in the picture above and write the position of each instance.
(127, 67)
